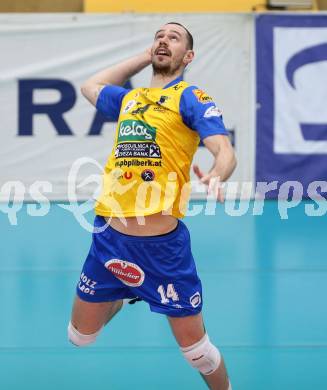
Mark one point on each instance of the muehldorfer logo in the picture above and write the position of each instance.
(128, 273)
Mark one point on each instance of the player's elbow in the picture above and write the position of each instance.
(91, 91)
(86, 89)
(233, 162)
(231, 155)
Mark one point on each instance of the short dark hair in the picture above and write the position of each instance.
(188, 35)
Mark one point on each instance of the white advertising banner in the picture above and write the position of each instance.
(291, 147)
(50, 136)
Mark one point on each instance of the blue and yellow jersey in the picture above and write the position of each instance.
(158, 132)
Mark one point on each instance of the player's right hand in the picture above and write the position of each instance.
(148, 54)
(212, 180)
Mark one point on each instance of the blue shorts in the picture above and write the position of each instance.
(158, 269)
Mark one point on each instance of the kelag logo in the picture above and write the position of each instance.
(291, 100)
(130, 130)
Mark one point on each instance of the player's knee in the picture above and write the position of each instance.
(79, 339)
(203, 356)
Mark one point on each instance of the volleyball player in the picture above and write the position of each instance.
(145, 250)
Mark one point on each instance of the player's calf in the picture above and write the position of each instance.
(79, 339)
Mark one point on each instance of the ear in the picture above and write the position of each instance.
(188, 57)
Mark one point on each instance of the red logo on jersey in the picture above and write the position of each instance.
(128, 273)
(202, 96)
(128, 175)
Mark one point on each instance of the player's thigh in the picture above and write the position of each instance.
(187, 330)
(89, 317)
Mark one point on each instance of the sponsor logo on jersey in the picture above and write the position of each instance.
(86, 285)
(138, 163)
(141, 110)
(131, 130)
(195, 299)
(128, 273)
(154, 151)
(202, 96)
(120, 175)
(162, 100)
(147, 175)
(128, 106)
(159, 109)
(128, 175)
(145, 91)
(138, 149)
(176, 87)
(212, 111)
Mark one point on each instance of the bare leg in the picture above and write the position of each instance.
(188, 331)
(89, 317)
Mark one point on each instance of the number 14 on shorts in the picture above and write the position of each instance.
(169, 293)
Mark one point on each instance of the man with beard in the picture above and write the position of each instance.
(141, 248)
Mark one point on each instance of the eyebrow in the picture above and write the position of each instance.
(174, 31)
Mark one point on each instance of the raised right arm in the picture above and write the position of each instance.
(114, 75)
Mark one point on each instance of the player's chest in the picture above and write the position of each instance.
(145, 114)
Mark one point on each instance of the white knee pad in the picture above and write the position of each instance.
(79, 339)
(203, 356)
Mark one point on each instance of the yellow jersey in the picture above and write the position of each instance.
(157, 134)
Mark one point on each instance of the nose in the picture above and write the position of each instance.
(163, 39)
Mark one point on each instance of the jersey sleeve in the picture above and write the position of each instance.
(110, 100)
(200, 113)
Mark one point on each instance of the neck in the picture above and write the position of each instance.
(159, 80)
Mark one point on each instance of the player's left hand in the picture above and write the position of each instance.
(212, 180)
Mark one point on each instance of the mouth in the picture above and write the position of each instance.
(161, 51)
